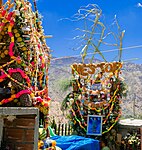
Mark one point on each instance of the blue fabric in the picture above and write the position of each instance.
(75, 142)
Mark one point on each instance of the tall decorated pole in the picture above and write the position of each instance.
(24, 57)
(98, 88)
(24, 62)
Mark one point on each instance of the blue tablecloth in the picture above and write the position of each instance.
(75, 142)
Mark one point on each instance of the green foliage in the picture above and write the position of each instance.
(65, 103)
(123, 89)
(65, 84)
(68, 100)
(140, 116)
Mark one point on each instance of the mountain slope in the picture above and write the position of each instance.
(60, 72)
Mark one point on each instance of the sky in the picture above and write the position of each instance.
(128, 12)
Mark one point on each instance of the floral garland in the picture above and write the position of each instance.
(116, 120)
(9, 76)
(76, 118)
(14, 96)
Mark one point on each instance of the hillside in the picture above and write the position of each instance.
(60, 71)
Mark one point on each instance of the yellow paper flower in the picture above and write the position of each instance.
(15, 30)
(17, 35)
(2, 55)
(6, 52)
(19, 39)
(24, 48)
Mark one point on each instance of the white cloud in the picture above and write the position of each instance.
(139, 5)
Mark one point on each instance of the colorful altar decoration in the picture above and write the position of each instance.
(97, 90)
(24, 61)
(24, 57)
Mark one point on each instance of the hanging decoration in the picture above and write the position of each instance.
(24, 57)
(97, 90)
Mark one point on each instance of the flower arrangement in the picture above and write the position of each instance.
(131, 141)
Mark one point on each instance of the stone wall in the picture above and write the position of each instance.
(20, 129)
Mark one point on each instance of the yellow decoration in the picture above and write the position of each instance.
(24, 48)
(13, 57)
(17, 35)
(9, 28)
(19, 39)
(12, 39)
(2, 55)
(6, 52)
(15, 30)
(32, 95)
(40, 143)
